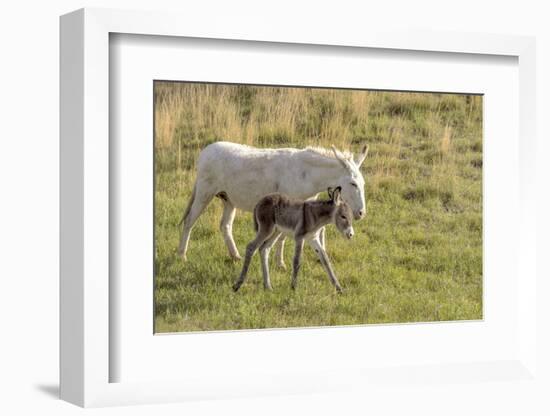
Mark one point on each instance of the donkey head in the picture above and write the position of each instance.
(351, 182)
(342, 216)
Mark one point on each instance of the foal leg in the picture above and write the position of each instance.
(316, 245)
(199, 200)
(322, 231)
(263, 234)
(296, 261)
(226, 227)
(279, 253)
(264, 255)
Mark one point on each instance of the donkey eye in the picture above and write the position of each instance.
(354, 184)
(343, 217)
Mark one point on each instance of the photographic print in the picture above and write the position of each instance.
(288, 207)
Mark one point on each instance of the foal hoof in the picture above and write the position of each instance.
(236, 257)
(281, 266)
(236, 287)
(182, 254)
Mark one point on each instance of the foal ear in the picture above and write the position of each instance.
(330, 192)
(336, 195)
(360, 158)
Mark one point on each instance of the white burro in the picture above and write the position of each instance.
(241, 175)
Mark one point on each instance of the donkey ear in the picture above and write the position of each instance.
(339, 157)
(330, 192)
(336, 195)
(360, 158)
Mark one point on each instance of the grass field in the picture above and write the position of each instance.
(416, 257)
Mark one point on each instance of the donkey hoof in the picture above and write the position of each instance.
(236, 287)
(281, 266)
(269, 287)
(236, 257)
(339, 290)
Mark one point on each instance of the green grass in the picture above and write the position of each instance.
(416, 257)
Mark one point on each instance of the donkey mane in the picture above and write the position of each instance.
(317, 156)
(328, 152)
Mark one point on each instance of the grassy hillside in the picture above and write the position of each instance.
(417, 256)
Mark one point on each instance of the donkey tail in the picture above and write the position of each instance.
(256, 226)
(189, 205)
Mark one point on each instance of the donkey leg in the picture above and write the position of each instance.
(264, 255)
(322, 238)
(226, 227)
(296, 261)
(198, 203)
(279, 253)
(316, 245)
(263, 234)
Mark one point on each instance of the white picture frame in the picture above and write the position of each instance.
(85, 355)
